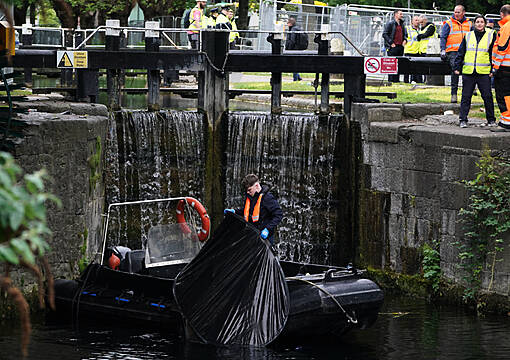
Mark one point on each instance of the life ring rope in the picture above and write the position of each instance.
(203, 234)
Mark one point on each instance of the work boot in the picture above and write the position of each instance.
(499, 129)
(454, 99)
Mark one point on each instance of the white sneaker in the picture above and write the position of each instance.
(463, 124)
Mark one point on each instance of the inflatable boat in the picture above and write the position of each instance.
(211, 288)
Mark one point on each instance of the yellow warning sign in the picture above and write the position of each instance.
(65, 61)
(72, 59)
(80, 59)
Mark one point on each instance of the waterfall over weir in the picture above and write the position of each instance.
(295, 154)
(153, 155)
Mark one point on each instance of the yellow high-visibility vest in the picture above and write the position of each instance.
(425, 42)
(194, 24)
(412, 45)
(233, 34)
(477, 54)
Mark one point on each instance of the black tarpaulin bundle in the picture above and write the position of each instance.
(234, 290)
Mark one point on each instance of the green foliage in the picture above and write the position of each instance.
(22, 213)
(485, 220)
(432, 265)
(94, 164)
(83, 262)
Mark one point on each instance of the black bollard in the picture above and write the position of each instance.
(112, 43)
(276, 77)
(152, 42)
(26, 39)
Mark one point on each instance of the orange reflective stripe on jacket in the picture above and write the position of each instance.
(502, 57)
(457, 33)
(256, 210)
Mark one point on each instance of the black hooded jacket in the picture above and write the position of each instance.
(270, 212)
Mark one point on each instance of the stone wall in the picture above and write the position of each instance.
(64, 143)
(412, 165)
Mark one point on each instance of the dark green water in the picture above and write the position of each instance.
(406, 329)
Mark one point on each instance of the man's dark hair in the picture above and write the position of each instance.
(505, 9)
(249, 180)
(396, 11)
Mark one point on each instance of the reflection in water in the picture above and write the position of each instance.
(406, 329)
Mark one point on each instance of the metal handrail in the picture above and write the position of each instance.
(129, 203)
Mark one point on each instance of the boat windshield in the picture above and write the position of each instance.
(170, 244)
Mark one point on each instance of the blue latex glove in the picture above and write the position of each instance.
(229, 210)
(264, 233)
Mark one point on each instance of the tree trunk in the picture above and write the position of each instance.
(64, 13)
(20, 13)
(242, 20)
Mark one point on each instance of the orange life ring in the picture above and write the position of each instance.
(203, 234)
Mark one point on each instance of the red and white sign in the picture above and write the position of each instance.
(381, 65)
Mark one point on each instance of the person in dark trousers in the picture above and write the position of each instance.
(395, 36)
(474, 61)
(412, 47)
(453, 31)
(260, 207)
(501, 69)
(291, 42)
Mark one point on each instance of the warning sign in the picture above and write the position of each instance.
(381, 65)
(72, 59)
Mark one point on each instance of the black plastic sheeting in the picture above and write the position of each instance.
(234, 290)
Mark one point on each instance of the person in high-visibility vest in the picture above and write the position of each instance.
(412, 46)
(453, 31)
(211, 19)
(222, 21)
(427, 32)
(234, 35)
(261, 208)
(501, 68)
(474, 60)
(197, 21)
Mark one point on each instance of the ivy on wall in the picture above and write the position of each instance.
(485, 221)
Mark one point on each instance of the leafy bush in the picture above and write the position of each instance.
(485, 220)
(22, 231)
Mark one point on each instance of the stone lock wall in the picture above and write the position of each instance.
(67, 143)
(411, 168)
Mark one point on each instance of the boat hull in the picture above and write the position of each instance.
(319, 305)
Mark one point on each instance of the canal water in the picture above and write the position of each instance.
(407, 328)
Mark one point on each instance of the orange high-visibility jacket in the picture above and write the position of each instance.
(501, 49)
(457, 32)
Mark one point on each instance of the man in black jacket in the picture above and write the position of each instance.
(260, 207)
(292, 41)
(394, 36)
